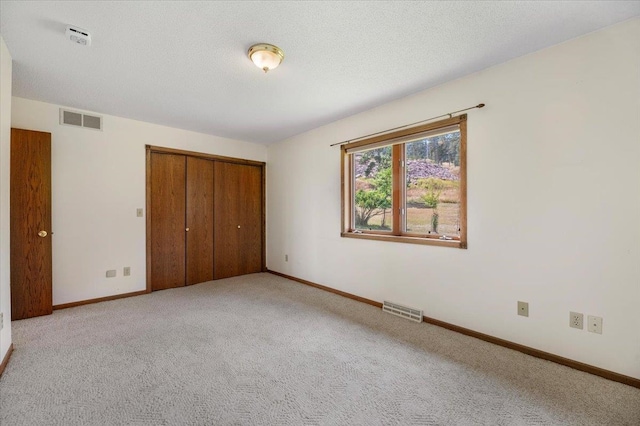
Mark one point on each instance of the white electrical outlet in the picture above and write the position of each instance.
(576, 320)
(126, 271)
(1, 320)
(286, 257)
(523, 309)
(594, 324)
(111, 273)
(139, 212)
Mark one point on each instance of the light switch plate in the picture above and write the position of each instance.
(126, 271)
(139, 212)
(111, 273)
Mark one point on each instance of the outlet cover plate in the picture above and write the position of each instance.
(523, 309)
(594, 324)
(576, 320)
(1, 320)
(126, 271)
(111, 273)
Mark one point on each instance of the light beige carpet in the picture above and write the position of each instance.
(263, 350)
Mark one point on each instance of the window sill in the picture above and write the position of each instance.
(406, 239)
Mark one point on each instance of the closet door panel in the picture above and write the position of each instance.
(199, 220)
(251, 231)
(167, 211)
(238, 219)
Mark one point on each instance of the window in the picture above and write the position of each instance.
(408, 185)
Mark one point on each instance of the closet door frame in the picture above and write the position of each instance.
(164, 150)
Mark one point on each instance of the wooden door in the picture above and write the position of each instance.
(30, 224)
(238, 219)
(199, 220)
(167, 220)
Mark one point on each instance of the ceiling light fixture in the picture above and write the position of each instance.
(266, 56)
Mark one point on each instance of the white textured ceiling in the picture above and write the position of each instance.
(184, 64)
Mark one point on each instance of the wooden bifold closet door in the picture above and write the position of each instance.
(238, 220)
(167, 211)
(199, 220)
(204, 218)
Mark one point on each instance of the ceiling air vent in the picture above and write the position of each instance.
(73, 118)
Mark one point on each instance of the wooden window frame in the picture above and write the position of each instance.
(398, 187)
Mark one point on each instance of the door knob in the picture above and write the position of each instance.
(42, 234)
(238, 226)
(187, 229)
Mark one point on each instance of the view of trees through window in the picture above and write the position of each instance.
(432, 186)
(373, 186)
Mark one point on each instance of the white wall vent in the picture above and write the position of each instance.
(402, 311)
(78, 119)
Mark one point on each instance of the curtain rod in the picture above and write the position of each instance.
(407, 125)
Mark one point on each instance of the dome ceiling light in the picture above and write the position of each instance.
(266, 56)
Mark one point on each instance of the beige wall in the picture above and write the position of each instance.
(5, 145)
(98, 182)
(553, 204)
